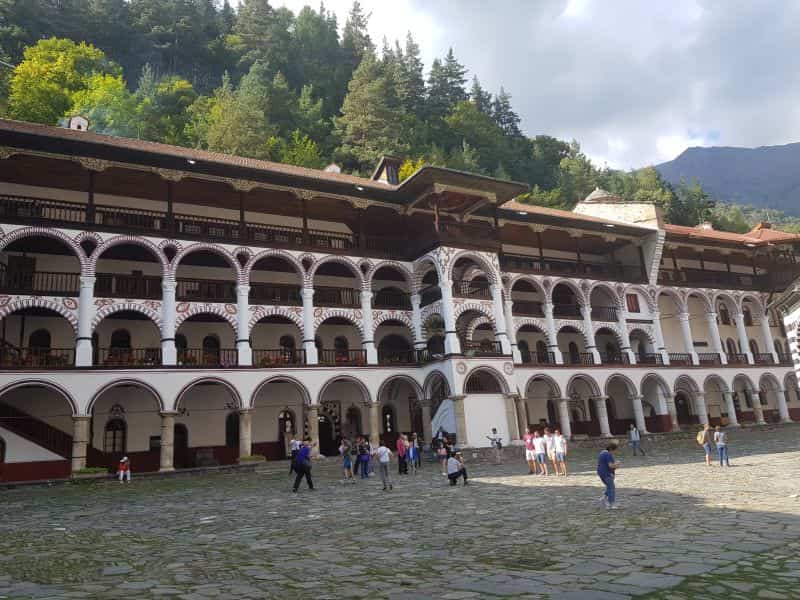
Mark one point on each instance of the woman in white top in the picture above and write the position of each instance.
(721, 441)
(560, 448)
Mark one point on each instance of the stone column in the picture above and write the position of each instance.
(80, 440)
(744, 342)
(638, 414)
(563, 417)
(308, 326)
(700, 408)
(758, 410)
(374, 424)
(783, 410)
(658, 333)
(367, 343)
(552, 335)
(669, 400)
(511, 417)
(245, 432)
(500, 334)
(730, 407)
(716, 342)
(522, 414)
(169, 355)
(243, 349)
(167, 462)
(452, 345)
(688, 341)
(586, 311)
(416, 320)
(769, 342)
(83, 343)
(313, 425)
(427, 430)
(461, 422)
(602, 416)
(622, 323)
(508, 304)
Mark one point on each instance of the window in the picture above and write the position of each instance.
(541, 349)
(180, 342)
(286, 343)
(436, 345)
(633, 303)
(39, 340)
(114, 436)
(341, 346)
(524, 350)
(753, 347)
(724, 315)
(748, 316)
(574, 355)
(121, 338)
(731, 346)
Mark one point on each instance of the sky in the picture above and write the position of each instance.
(635, 82)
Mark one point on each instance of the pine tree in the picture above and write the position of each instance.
(504, 115)
(480, 97)
(410, 82)
(264, 34)
(455, 76)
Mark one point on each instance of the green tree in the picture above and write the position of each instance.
(302, 151)
(504, 115)
(281, 106)
(311, 118)
(410, 166)
(577, 176)
(108, 105)
(691, 205)
(162, 108)
(410, 83)
(44, 83)
(466, 159)
(480, 133)
(480, 97)
(262, 34)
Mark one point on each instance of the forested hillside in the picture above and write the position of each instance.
(263, 82)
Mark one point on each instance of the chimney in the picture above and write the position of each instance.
(388, 170)
(705, 226)
(78, 123)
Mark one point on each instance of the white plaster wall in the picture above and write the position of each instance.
(205, 421)
(482, 412)
(271, 400)
(43, 404)
(18, 449)
(61, 333)
(141, 417)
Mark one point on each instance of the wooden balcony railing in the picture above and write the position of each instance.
(482, 348)
(785, 359)
(275, 293)
(472, 289)
(49, 283)
(209, 290)
(129, 357)
(114, 285)
(199, 357)
(538, 358)
(615, 358)
(20, 208)
(585, 359)
(736, 358)
(275, 235)
(130, 219)
(343, 357)
(36, 358)
(336, 296)
(605, 313)
(566, 311)
(680, 359)
(651, 358)
(709, 359)
(281, 357)
(764, 358)
(527, 308)
(532, 264)
(391, 299)
(404, 357)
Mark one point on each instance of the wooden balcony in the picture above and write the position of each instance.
(482, 348)
(36, 358)
(472, 289)
(207, 290)
(128, 357)
(281, 357)
(680, 359)
(615, 358)
(39, 283)
(736, 358)
(605, 313)
(567, 311)
(651, 358)
(199, 357)
(391, 299)
(777, 279)
(585, 359)
(710, 359)
(404, 357)
(785, 360)
(352, 358)
(527, 308)
(113, 285)
(275, 293)
(337, 296)
(538, 358)
(519, 263)
(764, 358)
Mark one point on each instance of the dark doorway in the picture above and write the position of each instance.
(232, 430)
(286, 430)
(682, 408)
(327, 441)
(181, 458)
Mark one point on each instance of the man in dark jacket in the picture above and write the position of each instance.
(302, 465)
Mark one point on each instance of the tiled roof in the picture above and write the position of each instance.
(534, 209)
(756, 237)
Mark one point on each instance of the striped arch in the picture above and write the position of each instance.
(536, 283)
(647, 294)
(573, 285)
(288, 257)
(119, 240)
(632, 389)
(491, 371)
(429, 381)
(427, 311)
(546, 379)
(702, 296)
(645, 331)
(39, 302)
(520, 322)
(577, 325)
(721, 384)
(264, 310)
(732, 303)
(353, 317)
(757, 302)
(118, 382)
(659, 381)
(226, 384)
(420, 271)
(483, 309)
(208, 247)
(474, 324)
(485, 264)
(110, 309)
(25, 232)
(381, 316)
(342, 260)
(365, 395)
(594, 389)
(611, 327)
(678, 298)
(206, 309)
(407, 378)
(769, 382)
(615, 295)
(408, 276)
(45, 384)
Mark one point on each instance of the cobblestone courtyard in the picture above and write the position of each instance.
(684, 530)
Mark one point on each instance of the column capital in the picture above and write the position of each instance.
(168, 284)
(168, 413)
(683, 316)
(307, 291)
(79, 418)
(415, 298)
(458, 398)
(87, 280)
(245, 411)
(637, 397)
(711, 315)
(243, 288)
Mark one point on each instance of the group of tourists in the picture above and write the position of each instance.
(544, 449)
(720, 438)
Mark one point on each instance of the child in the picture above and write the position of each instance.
(456, 469)
(635, 440)
(606, 470)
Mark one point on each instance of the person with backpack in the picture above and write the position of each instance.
(606, 471)
(704, 440)
(636, 439)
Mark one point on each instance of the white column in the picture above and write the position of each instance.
(769, 343)
(758, 410)
(522, 415)
(586, 311)
(500, 334)
(730, 407)
(308, 327)
(461, 422)
(452, 345)
(783, 410)
(622, 323)
(511, 417)
(416, 321)
(716, 342)
(552, 336)
(638, 414)
(374, 425)
(508, 304)
(167, 462)
(602, 416)
(563, 417)
(243, 348)
(427, 429)
(83, 344)
(245, 433)
(658, 333)
(669, 400)
(168, 354)
(744, 342)
(700, 408)
(688, 341)
(367, 343)
(313, 427)
(80, 441)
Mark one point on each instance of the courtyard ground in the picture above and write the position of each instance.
(684, 530)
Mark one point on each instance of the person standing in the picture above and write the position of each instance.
(721, 441)
(384, 455)
(363, 456)
(294, 448)
(347, 461)
(560, 444)
(124, 470)
(540, 449)
(456, 469)
(704, 439)
(530, 455)
(443, 454)
(418, 450)
(550, 447)
(412, 453)
(636, 439)
(303, 465)
(606, 470)
(401, 447)
(497, 444)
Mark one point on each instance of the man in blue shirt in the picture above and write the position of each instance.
(606, 467)
(302, 465)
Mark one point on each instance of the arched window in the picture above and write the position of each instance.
(232, 430)
(39, 340)
(114, 437)
(388, 418)
(731, 346)
(753, 347)
(121, 338)
(748, 316)
(541, 351)
(341, 346)
(724, 315)
(574, 355)
(483, 382)
(524, 351)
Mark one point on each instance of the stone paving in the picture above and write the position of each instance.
(684, 530)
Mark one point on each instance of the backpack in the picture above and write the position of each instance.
(701, 435)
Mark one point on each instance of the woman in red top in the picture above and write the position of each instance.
(124, 469)
(402, 466)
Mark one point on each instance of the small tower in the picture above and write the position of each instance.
(78, 123)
